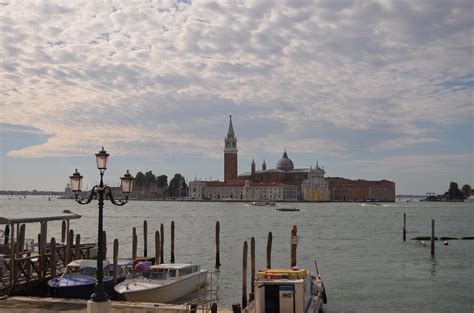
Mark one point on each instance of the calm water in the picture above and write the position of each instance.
(364, 263)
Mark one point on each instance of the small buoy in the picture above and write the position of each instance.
(445, 243)
(423, 243)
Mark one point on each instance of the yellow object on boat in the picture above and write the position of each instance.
(282, 273)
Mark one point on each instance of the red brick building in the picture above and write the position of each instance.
(343, 189)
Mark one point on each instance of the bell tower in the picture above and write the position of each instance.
(230, 154)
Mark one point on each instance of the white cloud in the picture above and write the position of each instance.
(163, 76)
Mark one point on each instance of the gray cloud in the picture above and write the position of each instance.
(339, 75)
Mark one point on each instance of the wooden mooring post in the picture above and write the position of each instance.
(432, 237)
(236, 308)
(252, 269)
(157, 247)
(172, 242)
(269, 250)
(145, 239)
(77, 247)
(162, 243)
(63, 232)
(294, 244)
(404, 227)
(53, 258)
(218, 241)
(134, 247)
(115, 266)
(244, 275)
(70, 239)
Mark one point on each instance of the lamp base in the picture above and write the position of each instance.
(99, 307)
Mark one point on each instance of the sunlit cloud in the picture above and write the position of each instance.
(145, 79)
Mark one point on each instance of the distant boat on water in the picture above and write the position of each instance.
(262, 203)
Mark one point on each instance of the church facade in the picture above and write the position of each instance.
(284, 182)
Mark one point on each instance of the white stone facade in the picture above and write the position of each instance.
(315, 188)
(272, 192)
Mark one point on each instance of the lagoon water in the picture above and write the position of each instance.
(365, 265)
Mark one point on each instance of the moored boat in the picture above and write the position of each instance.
(79, 279)
(291, 290)
(162, 283)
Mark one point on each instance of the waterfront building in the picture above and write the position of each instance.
(285, 182)
(270, 191)
(315, 187)
(343, 189)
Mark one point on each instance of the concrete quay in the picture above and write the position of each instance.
(53, 305)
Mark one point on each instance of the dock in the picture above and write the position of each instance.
(52, 305)
(22, 267)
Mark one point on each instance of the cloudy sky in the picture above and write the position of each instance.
(370, 89)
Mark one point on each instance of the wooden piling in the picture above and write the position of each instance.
(77, 250)
(70, 238)
(294, 244)
(218, 241)
(404, 227)
(432, 237)
(6, 234)
(21, 241)
(172, 242)
(63, 232)
(12, 256)
(134, 247)
(269, 250)
(193, 308)
(145, 241)
(236, 308)
(244, 275)
(214, 308)
(115, 266)
(252, 268)
(53, 257)
(162, 233)
(157, 247)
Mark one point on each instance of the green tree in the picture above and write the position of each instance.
(162, 181)
(139, 179)
(466, 190)
(150, 178)
(454, 193)
(177, 186)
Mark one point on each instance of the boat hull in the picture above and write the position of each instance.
(80, 291)
(166, 292)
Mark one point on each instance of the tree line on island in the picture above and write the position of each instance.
(149, 185)
(453, 193)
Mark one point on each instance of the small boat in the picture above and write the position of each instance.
(262, 203)
(287, 209)
(288, 290)
(161, 283)
(80, 278)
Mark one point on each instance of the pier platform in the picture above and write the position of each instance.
(44, 305)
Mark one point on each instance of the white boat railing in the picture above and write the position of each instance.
(207, 293)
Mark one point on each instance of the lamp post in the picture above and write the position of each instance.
(100, 191)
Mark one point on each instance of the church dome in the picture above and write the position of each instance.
(284, 163)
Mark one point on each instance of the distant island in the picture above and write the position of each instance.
(454, 194)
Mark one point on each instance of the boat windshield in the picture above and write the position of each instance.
(90, 271)
(148, 275)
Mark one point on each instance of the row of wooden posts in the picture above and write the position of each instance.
(432, 238)
(237, 307)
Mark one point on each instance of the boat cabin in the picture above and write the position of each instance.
(282, 291)
(84, 267)
(175, 270)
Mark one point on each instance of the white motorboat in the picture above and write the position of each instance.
(162, 283)
(287, 291)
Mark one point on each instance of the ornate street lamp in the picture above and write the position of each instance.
(100, 191)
